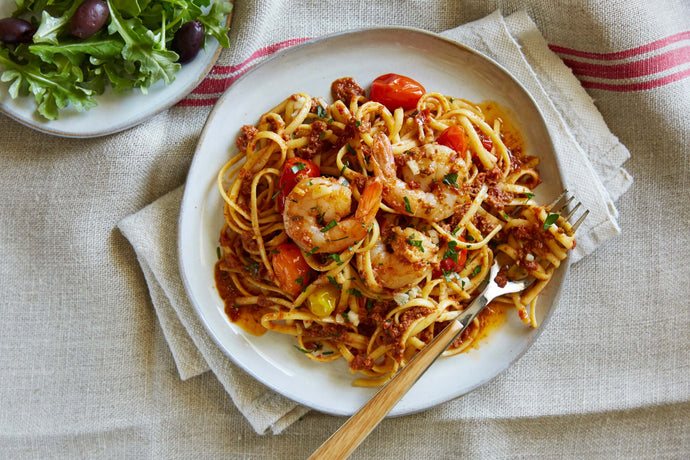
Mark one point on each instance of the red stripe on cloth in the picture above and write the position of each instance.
(216, 85)
(219, 85)
(197, 102)
(641, 86)
(623, 54)
(261, 52)
(652, 65)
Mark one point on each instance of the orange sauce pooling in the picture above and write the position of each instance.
(248, 317)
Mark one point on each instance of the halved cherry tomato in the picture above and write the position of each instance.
(455, 258)
(454, 137)
(293, 171)
(393, 91)
(292, 272)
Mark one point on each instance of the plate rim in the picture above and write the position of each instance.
(184, 206)
(37, 126)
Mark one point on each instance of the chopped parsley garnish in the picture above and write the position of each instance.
(320, 112)
(300, 281)
(351, 149)
(449, 274)
(329, 226)
(354, 292)
(407, 205)
(417, 243)
(358, 123)
(313, 250)
(336, 257)
(326, 353)
(319, 214)
(341, 238)
(345, 166)
(505, 216)
(297, 167)
(322, 135)
(333, 281)
(476, 271)
(550, 220)
(303, 350)
(469, 238)
(455, 230)
(451, 179)
(370, 304)
(218, 253)
(451, 252)
(276, 193)
(529, 196)
(253, 267)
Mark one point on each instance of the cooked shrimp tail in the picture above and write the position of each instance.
(317, 214)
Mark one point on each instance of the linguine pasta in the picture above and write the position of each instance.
(395, 217)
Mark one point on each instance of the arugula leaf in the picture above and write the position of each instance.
(140, 47)
(76, 52)
(52, 90)
(133, 51)
(214, 22)
(50, 26)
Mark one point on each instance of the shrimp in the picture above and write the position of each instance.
(401, 257)
(317, 214)
(432, 174)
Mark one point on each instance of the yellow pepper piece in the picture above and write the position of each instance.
(323, 299)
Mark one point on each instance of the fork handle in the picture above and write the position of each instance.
(341, 444)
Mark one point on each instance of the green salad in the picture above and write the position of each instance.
(67, 51)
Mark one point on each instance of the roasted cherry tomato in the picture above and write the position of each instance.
(293, 171)
(454, 258)
(292, 271)
(393, 91)
(454, 137)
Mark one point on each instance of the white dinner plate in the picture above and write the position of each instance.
(114, 112)
(438, 64)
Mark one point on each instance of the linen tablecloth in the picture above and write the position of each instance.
(85, 370)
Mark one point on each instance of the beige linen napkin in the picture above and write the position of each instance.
(590, 157)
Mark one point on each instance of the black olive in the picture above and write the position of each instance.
(14, 30)
(89, 18)
(188, 40)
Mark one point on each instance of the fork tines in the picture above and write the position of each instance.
(561, 204)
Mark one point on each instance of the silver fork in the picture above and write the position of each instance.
(341, 444)
(562, 202)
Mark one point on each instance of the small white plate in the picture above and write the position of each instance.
(114, 112)
(438, 64)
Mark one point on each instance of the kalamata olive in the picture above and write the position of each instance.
(89, 18)
(15, 30)
(188, 40)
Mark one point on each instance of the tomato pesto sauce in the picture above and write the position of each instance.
(248, 317)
